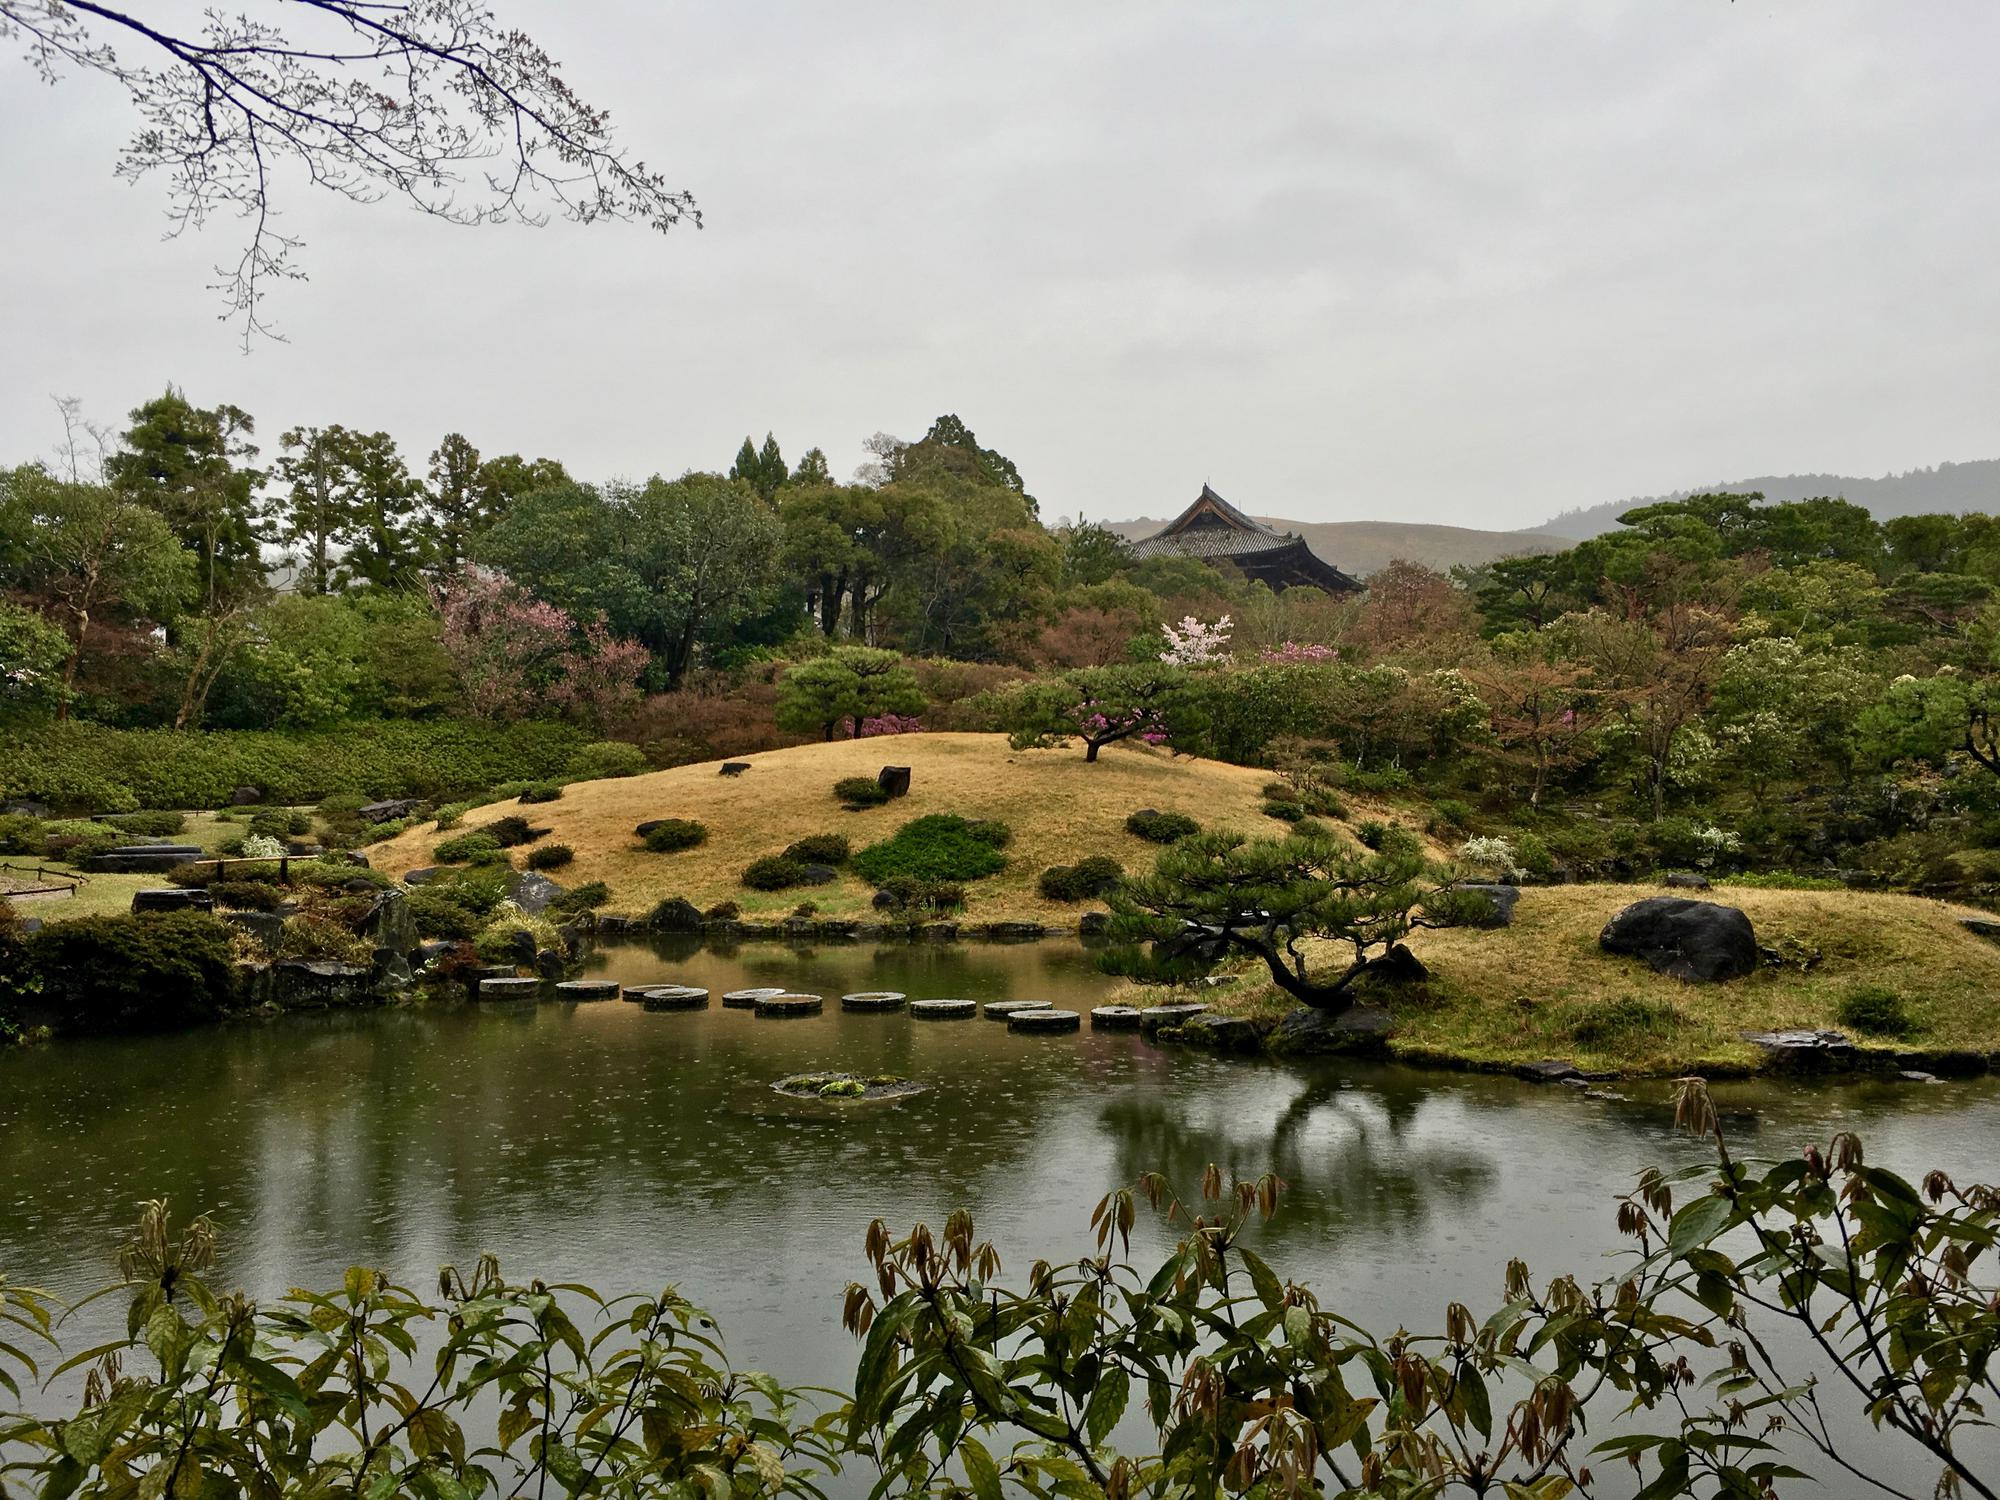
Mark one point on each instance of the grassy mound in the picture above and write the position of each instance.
(1057, 806)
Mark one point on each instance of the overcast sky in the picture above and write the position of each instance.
(1460, 262)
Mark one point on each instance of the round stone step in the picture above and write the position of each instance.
(943, 1010)
(1000, 1010)
(587, 989)
(874, 1000)
(747, 999)
(674, 997)
(510, 989)
(1114, 1018)
(782, 1004)
(1044, 1020)
(1153, 1017)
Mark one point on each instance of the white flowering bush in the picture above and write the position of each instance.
(1194, 643)
(1490, 854)
(262, 846)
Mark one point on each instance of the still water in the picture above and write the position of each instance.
(629, 1150)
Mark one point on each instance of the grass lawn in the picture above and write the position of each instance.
(107, 895)
(1060, 808)
(1543, 988)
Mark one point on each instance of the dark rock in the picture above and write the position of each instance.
(350, 857)
(1114, 1018)
(1501, 900)
(141, 859)
(521, 947)
(429, 953)
(895, 780)
(388, 812)
(587, 989)
(770, 1007)
(1093, 924)
(640, 830)
(24, 809)
(510, 989)
(1398, 966)
(732, 768)
(873, 1000)
(1153, 1017)
(1361, 1028)
(1222, 1033)
(172, 899)
(423, 875)
(551, 964)
(676, 915)
(304, 848)
(818, 874)
(1692, 940)
(1917, 1075)
(267, 927)
(1986, 927)
(1860, 880)
(358, 887)
(1009, 932)
(1803, 1050)
(883, 901)
(943, 1010)
(312, 984)
(245, 796)
(532, 892)
(1000, 1010)
(939, 932)
(1044, 1019)
(390, 923)
(30, 926)
(1686, 880)
(391, 972)
(1549, 1070)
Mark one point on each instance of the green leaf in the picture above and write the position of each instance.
(1107, 1405)
(980, 1468)
(1698, 1223)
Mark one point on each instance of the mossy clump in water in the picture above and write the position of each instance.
(846, 1086)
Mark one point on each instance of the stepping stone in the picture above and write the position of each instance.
(1114, 1018)
(747, 999)
(674, 997)
(874, 1000)
(510, 989)
(943, 1010)
(1000, 1010)
(782, 1004)
(172, 898)
(1153, 1017)
(1045, 1019)
(587, 989)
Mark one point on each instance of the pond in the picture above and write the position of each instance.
(629, 1149)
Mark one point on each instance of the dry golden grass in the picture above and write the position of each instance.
(1543, 988)
(1060, 809)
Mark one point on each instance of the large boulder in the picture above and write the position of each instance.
(390, 922)
(172, 899)
(310, 984)
(1360, 1028)
(532, 892)
(266, 928)
(895, 780)
(388, 812)
(1694, 940)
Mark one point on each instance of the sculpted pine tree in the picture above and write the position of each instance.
(1214, 896)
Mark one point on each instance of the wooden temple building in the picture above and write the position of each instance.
(1215, 532)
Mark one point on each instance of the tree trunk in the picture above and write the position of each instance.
(1090, 748)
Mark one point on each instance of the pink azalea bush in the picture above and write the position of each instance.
(518, 657)
(889, 724)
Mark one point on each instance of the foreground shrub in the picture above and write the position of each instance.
(440, 911)
(820, 849)
(323, 936)
(505, 937)
(937, 847)
(958, 1371)
(604, 758)
(146, 973)
(774, 872)
(856, 792)
(1161, 827)
(468, 848)
(1876, 1011)
(1081, 881)
(550, 856)
(586, 897)
(672, 834)
(246, 895)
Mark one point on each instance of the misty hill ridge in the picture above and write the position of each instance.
(1364, 547)
(1951, 488)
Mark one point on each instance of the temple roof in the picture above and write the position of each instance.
(1212, 529)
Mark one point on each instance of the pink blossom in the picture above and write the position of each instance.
(889, 724)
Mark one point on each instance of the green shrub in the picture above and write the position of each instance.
(1284, 812)
(937, 847)
(1620, 1021)
(1384, 779)
(341, 805)
(152, 825)
(498, 941)
(672, 834)
(820, 849)
(442, 912)
(75, 839)
(246, 895)
(467, 848)
(542, 791)
(91, 766)
(451, 815)
(1876, 1011)
(324, 937)
(586, 897)
(912, 897)
(513, 830)
(1280, 791)
(280, 823)
(722, 911)
(480, 889)
(1783, 880)
(146, 973)
(860, 791)
(1161, 827)
(603, 758)
(1450, 815)
(674, 914)
(774, 872)
(335, 874)
(550, 856)
(1532, 854)
(1372, 832)
(1082, 881)
(990, 831)
(20, 834)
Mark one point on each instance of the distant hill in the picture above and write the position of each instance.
(1364, 547)
(1951, 488)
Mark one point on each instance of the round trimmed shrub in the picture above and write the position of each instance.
(936, 847)
(152, 825)
(443, 912)
(246, 895)
(1876, 1011)
(550, 856)
(281, 823)
(774, 872)
(513, 829)
(1284, 812)
(541, 791)
(1081, 881)
(602, 758)
(586, 897)
(670, 834)
(477, 847)
(991, 831)
(134, 973)
(722, 911)
(1161, 827)
(856, 792)
(820, 849)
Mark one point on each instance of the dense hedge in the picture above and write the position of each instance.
(148, 973)
(939, 847)
(89, 767)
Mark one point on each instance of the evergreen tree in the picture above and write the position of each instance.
(190, 466)
(771, 470)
